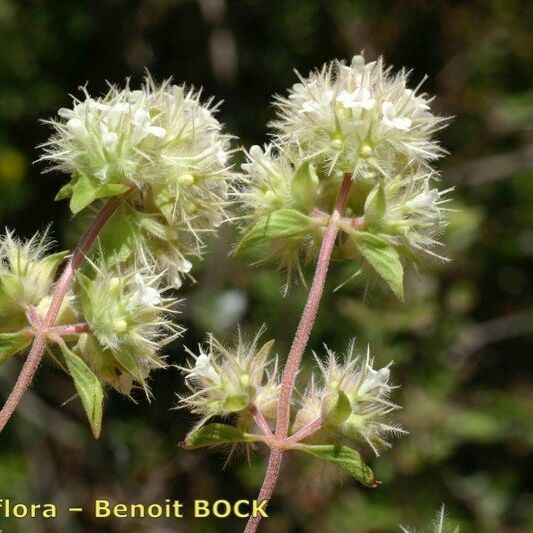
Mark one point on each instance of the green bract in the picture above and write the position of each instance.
(356, 121)
(225, 381)
(127, 317)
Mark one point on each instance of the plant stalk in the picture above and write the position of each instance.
(299, 344)
(61, 288)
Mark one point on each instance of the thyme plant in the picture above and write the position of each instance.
(347, 177)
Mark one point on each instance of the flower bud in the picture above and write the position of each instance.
(27, 275)
(351, 400)
(227, 381)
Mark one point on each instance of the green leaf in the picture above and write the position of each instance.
(88, 387)
(83, 193)
(86, 190)
(375, 205)
(336, 408)
(48, 265)
(344, 457)
(12, 343)
(281, 223)
(382, 257)
(304, 186)
(118, 239)
(111, 189)
(126, 360)
(213, 434)
(64, 192)
(263, 352)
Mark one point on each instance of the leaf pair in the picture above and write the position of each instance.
(283, 223)
(341, 456)
(84, 190)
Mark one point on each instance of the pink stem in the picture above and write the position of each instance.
(70, 329)
(61, 288)
(262, 424)
(306, 431)
(299, 344)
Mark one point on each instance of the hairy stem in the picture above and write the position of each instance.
(70, 329)
(299, 344)
(306, 431)
(61, 288)
(262, 424)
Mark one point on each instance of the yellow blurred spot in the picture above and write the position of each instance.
(12, 166)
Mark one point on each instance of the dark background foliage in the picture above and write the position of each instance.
(460, 342)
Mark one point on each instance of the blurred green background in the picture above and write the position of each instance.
(461, 342)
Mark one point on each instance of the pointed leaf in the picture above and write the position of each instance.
(375, 205)
(85, 190)
(263, 352)
(64, 192)
(382, 257)
(281, 223)
(336, 408)
(88, 387)
(126, 360)
(304, 186)
(50, 264)
(111, 189)
(344, 457)
(12, 343)
(213, 434)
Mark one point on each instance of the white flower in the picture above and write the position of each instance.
(226, 381)
(356, 118)
(360, 98)
(145, 295)
(126, 310)
(141, 136)
(392, 120)
(27, 272)
(268, 173)
(415, 215)
(163, 140)
(367, 390)
(203, 369)
(425, 200)
(375, 381)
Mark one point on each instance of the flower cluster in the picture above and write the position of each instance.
(135, 137)
(161, 142)
(27, 273)
(129, 322)
(357, 120)
(359, 117)
(351, 399)
(227, 382)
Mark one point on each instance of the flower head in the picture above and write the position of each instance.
(161, 142)
(140, 136)
(27, 274)
(228, 381)
(127, 314)
(357, 117)
(351, 398)
(359, 121)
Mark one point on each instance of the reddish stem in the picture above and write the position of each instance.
(70, 329)
(262, 424)
(61, 288)
(299, 344)
(306, 431)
